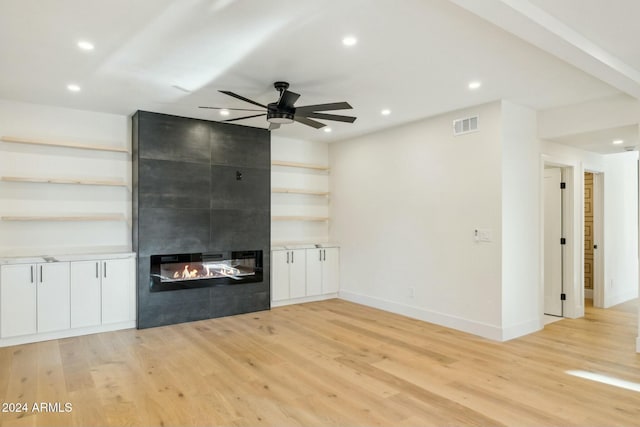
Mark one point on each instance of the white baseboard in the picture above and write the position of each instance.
(25, 339)
(470, 326)
(610, 301)
(303, 300)
(521, 329)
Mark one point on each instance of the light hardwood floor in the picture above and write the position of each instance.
(329, 363)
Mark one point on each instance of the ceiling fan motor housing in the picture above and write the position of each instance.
(279, 115)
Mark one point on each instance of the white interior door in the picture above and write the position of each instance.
(552, 247)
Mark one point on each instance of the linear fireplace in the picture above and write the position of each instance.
(199, 270)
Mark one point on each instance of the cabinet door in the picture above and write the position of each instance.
(280, 275)
(297, 274)
(53, 296)
(116, 295)
(314, 272)
(330, 270)
(85, 294)
(18, 300)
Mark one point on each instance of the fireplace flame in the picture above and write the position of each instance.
(202, 271)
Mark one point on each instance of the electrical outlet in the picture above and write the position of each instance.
(412, 292)
(483, 235)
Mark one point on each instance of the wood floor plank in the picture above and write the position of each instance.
(329, 363)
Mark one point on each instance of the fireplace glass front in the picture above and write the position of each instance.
(197, 270)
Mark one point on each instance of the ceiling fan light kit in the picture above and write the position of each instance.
(283, 111)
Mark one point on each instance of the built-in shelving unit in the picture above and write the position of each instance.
(97, 217)
(83, 181)
(299, 218)
(64, 144)
(299, 191)
(299, 165)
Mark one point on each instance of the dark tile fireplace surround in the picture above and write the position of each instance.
(201, 210)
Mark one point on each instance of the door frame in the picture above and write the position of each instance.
(554, 246)
(573, 288)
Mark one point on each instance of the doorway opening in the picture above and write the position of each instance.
(593, 239)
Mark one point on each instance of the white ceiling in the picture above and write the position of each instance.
(414, 57)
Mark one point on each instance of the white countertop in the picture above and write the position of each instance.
(291, 246)
(32, 259)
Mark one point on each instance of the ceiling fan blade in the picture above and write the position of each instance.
(235, 95)
(324, 107)
(322, 116)
(230, 109)
(309, 122)
(287, 99)
(273, 126)
(245, 117)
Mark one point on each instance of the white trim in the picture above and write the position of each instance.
(470, 326)
(521, 329)
(573, 278)
(599, 288)
(302, 300)
(25, 339)
(611, 300)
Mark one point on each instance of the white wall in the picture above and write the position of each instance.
(22, 160)
(405, 204)
(621, 227)
(294, 150)
(521, 181)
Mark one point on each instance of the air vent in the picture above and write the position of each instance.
(466, 125)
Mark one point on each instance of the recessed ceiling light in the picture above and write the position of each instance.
(617, 142)
(327, 129)
(385, 112)
(73, 87)
(349, 41)
(474, 85)
(85, 45)
(224, 112)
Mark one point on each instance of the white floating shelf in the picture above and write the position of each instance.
(113, 183)
(299, 191)
(64, 144)
(299, 218)
(299, 165)
(100, 217)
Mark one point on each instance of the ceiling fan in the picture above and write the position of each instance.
(283, 111)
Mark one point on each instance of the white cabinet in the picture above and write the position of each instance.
(288, 274)
(53, 296)
(71, 296)
(116, 290)
(35, 298)
(100, 292)
(85, 294)
(18, 296)
(322, 271)
(304, 273)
